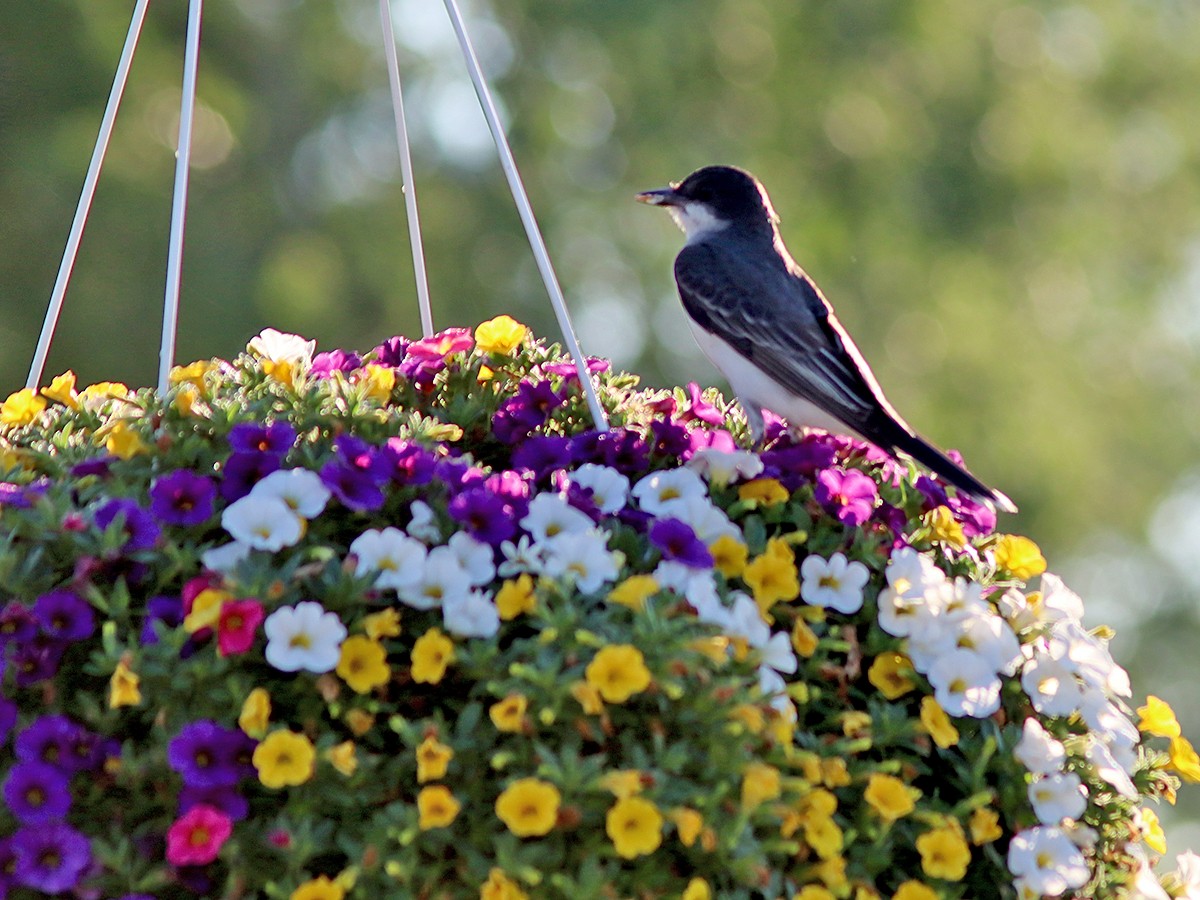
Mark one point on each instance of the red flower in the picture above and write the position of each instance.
(197, 836)
(237, 626)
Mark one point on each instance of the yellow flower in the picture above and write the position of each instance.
(431, 654)
(815, 892)
(804, 639)
(588, 697)
(1157, 718)
(433, 758)
(501, 335)
(697, 889)
(817, 804)
(729, 555)
(824, 836)
(937, 724)
(206, 610)
(1184, 759)
(104, 390)
(62, 390)
(377, 381)
(622, 782)
(688, 824)
(618, 672)
(21, 407)
(500, 887)
(760, 782)
(437, 807)
(855, 722)
(515, 597)
(123, 689)
(889, 673)
(281, 370)
(832, 871)
(256, 713)
(635, 826)
(750, 716)
(185, 400)
(284, 758)
(529, 807)
(773, 577)
(914, 890)
(834, 773)
(321, 888)
(1152, 831)
(363, 664)
(944, 853)
(945, 528)
(1020, 556)
(343, 758)
(123, 441)
(634, 591)
(985, 826)
(383, 624)
(763, 492)
(890, 797)
(509, 714)
(193, 373)
(360, 721)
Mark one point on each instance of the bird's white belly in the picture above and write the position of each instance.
(752, 385)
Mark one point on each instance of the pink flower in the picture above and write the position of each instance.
(237, 626)
(197, 836)
(442, 344)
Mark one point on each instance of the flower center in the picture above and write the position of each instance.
(300, 640)
(199, 836)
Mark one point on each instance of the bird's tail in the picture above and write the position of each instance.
(940, 464)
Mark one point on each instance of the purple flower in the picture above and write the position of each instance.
(243, 471)
(182, 498)
(391, 352)
(165, 609)
(206, 754)
(17, 623)
(37, 792)
(620, 448)
(543, 455)
(325, 364)
(457, 475)
(65, 616)
(223, 797)
(409, 463)
(140, 529)
(482, 514)
(99, 466)
(796, 464)
(669, 439)
(271, 438)
(50, 857)
(50, 740)
(8, 865)
(21, 496)
(356, 489)
(8, 713)
(36, 660)
(700, 409)
(848, 494)
(423, 359)
(527, 410)
(678, 541)
(362, 457)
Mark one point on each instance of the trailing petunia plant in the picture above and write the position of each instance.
(407, 624)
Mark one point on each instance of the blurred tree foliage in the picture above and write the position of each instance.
(1002, 200)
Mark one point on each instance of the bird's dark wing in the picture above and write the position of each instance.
(777, 318)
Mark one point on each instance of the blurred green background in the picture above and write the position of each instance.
(1002, 200)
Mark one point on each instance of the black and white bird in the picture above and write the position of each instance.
(764, 323)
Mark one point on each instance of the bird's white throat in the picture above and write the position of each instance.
(697, 220)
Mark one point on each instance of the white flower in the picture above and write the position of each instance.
(1103, 716)
(770, 682)
(1038, 750)
(904, 605)
(1051, 684)
(610, 489)
(1145, 885)
(1015, 608)
(583, 556)
(1187, 874)
(989, 636)
(550, 516)
(834, 583)
(475, 557)
(424, 525)
(722, 466)
(910, 574)
(745, 621)
(1057, 797)
(657, 491)
(302, 490)
(443, 577)
(519, 557)
(1101, 756)
(264, 523)
(1090, 657)
(1047, 860)
(470, 615)
(965, 684)
(705, 518)
(1058, 602)
(303, 636)
(279, 346)
(777, 653)
(224, 559)
(398, 559)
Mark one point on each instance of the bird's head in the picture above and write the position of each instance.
(712, 198)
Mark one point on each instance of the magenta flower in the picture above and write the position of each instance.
(848, 494)
(196, 837)
(568, 371)
(423, 359)
(678, 541)
(182, 498)
(700, 409)
(50, 857)
(325, 364)
(64, 616)
(391, 352)
(238, 625)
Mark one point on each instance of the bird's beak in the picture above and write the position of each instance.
(662, 197)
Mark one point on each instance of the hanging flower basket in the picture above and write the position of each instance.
(406, 625)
